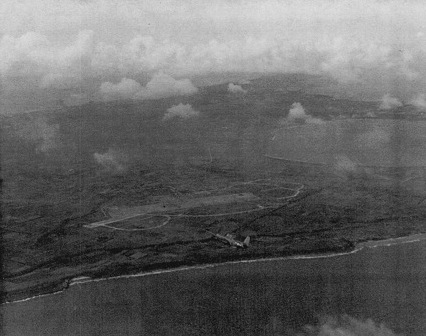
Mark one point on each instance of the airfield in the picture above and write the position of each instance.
(294, 189)
(252, 196)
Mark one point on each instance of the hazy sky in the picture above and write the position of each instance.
(57, 44)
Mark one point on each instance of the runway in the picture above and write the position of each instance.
(168, 211)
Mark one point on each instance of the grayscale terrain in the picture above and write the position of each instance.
(200, 143)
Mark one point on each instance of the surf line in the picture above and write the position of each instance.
(359, 247)
(414, 238)
(183, 269)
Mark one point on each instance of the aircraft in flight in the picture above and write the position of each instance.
(230, 239)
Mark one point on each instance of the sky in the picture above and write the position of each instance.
(57, 45)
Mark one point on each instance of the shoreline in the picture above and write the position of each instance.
(356, 248)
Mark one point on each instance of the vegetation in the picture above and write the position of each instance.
(53, 186)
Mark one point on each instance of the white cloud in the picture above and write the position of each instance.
(388, 102)
(345, 167)
(347, 326)
(163, 85)
(298, 114)
(16, 51)
(125, 89)
(160, 86)
(419, 101)
(59, 81)
(39, 131)
(112, 161)
(180, 111)
(62, 42)
(233, 88)
(33, 54)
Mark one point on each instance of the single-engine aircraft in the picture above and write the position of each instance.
(228, 238)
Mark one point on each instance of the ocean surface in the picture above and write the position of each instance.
(365, 142)
(379, 290)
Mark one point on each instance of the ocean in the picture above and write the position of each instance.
(378, 290)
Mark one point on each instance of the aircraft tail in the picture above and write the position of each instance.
(246, 241)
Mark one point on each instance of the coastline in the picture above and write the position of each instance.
(155, 269)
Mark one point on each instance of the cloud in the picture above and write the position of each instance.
(125, 89)
(419, 101)
(347, 326)
(45, 135)
(345, 167)
(389, 102)
(112, 161)
(160, 86)
(33, 54)
(163, 85)
(59, 81)
(343, 163)
(63, 43)
(180, 111)
(233, 88)
(298, 114)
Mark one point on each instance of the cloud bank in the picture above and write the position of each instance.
(378, 45)
(35, 55)
(237, 89)
(160, 86)
(180, 111)
(389, 102)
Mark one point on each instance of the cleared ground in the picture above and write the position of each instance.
(252, 196)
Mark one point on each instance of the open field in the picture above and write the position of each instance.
(207, 206)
